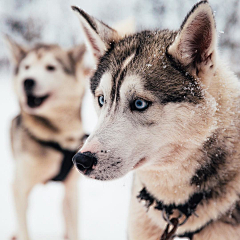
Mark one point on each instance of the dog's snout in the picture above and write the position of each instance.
(28, 84)
(84, 161)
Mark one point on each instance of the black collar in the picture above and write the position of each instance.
(186, 209)
(53, 144)
(66, 164)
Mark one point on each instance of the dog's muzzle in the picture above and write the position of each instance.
(84, 162)
(32, 100)
(28, 85)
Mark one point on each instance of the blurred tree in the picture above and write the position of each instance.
(29, 29)
(53, 21)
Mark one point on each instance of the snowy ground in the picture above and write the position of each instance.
(103, 205)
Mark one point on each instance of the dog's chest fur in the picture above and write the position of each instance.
(43, 143)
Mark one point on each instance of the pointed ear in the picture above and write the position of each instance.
(195, 45)
(17, 51)
(99, 36)
(77, 53)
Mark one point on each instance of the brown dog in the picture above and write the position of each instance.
(49, 83)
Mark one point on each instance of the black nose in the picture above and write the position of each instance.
(28, 84)
(84, 160)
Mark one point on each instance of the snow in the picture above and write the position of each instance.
(53, 21)
(103, 206)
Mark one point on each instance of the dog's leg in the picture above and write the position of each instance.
(30, 171)
(70, 205)
(21, 190)
(140, 226)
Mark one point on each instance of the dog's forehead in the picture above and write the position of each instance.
(48, 54)
(33, 57)
(132, 84)
(145, 55)
(132, 54)
(105, 84)
(42, 53)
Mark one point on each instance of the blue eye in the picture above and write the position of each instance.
(101, 100)
(140, 105)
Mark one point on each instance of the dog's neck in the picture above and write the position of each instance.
(200, 167)
(168, 184)
(216, 173)
(225, 89)
(64, 127)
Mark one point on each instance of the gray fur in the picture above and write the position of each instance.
(153, 65)
(186, 141)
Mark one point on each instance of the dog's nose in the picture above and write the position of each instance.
(84, 160)
(28, 84)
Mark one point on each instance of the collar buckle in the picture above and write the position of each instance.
(169, 235)
(167, 217)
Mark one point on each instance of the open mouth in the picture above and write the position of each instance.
(34, 102)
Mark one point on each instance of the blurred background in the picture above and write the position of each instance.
(103, 205)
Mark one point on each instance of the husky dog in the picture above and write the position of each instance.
(49, 83)
(169, 109)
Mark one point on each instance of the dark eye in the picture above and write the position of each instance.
(140, 105)
(27, 67)
(50, 68)
(101, 100)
